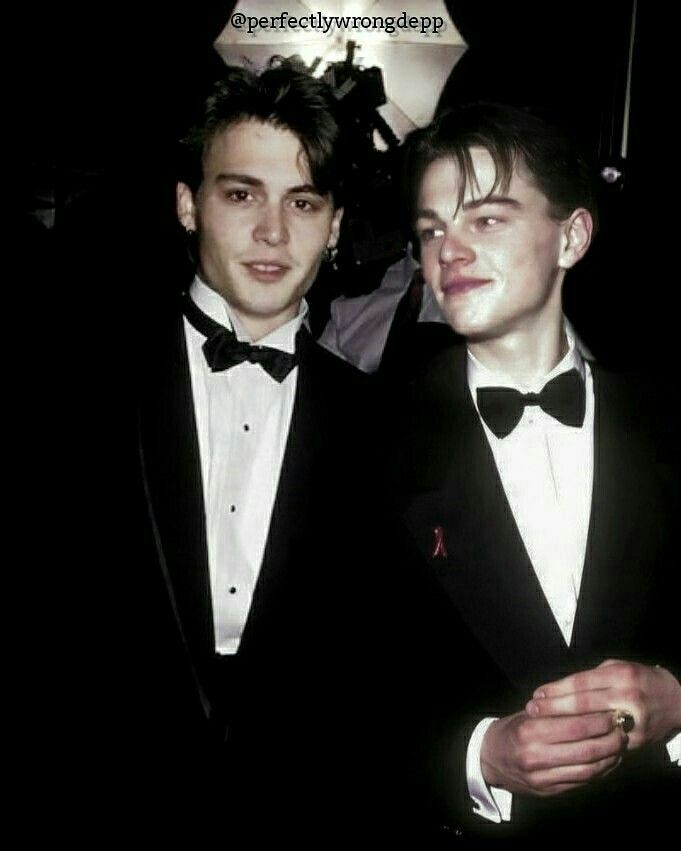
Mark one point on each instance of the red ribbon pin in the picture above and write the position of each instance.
(439, 548)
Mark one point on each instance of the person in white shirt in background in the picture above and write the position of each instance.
(542, 504)
(358, 327)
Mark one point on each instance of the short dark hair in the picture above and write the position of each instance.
(283, 97)
(511, 136)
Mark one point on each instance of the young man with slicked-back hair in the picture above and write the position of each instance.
(539, 493)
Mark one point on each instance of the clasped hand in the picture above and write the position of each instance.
(567, 735)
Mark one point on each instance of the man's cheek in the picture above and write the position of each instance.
(430, 267)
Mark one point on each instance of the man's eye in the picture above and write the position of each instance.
(429, 234)
(305, 205)
(486, 222)
(238, 195)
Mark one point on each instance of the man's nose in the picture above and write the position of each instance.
(456, 247)
(271, 225)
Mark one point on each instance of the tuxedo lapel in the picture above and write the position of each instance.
(623, 536)
(172, 468)
(463, 526)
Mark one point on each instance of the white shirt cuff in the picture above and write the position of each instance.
(490, 802)
(674, 749)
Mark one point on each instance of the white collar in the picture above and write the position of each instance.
(215, 306)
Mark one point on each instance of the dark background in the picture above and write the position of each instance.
(109, 90)
(103, 90)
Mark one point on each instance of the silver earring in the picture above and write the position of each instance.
(330, 253)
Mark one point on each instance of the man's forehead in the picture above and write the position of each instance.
(259, 149)
(479, 176)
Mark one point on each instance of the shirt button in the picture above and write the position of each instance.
(232, 509)
(247, 427)
(232, 590)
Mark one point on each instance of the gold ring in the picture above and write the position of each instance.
(625, 720)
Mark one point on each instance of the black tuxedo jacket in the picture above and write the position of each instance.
(484, 636)
(260, 743)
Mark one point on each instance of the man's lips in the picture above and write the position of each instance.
(461, 284)
(266, 270)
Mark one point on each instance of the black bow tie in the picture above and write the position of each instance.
(564, 398)
(222, 349)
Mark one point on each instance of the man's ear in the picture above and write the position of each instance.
(576, 237)
(335, 228)
(186, 209)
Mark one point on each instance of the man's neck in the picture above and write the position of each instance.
(523, 357)
(257, 328)
(250, 326)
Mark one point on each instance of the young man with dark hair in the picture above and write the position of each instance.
(539, 492)
(251, 445)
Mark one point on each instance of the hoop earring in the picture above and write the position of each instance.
(330, 254)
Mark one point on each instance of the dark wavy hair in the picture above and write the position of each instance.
(512, 137)
(283, 97)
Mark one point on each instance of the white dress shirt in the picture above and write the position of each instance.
(546, 469)
(242, 418)
(358, 327)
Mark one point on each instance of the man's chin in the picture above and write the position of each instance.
(267, 316)
(467, 327)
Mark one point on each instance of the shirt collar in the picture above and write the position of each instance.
(215, 306)
(481, 376)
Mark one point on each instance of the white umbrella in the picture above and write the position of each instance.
(416, 58)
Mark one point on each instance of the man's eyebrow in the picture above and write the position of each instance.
(249, 180)
(231, 177)
(305, 187)
(426, 213)
(491, 199)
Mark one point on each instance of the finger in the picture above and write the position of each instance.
(568, 685)
(607, 674)
(568, 728)
(541, 757)
(575, 703)
(562, 731)
(552, 780)
(556, 688)
(594, 678)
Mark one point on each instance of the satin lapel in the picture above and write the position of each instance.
(623, 537)
(459, 516)
(174, 484)
(292, 506)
